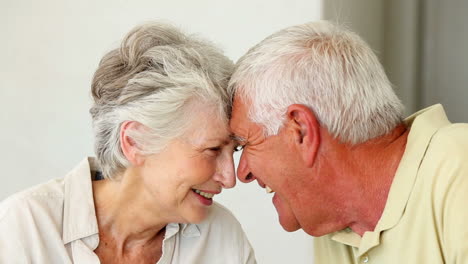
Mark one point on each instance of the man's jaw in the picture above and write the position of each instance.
(285, 214)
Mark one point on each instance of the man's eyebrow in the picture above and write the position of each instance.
(238, 139)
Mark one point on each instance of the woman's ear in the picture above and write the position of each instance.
(305, 130)
(129, 147)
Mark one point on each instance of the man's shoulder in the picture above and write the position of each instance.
(450, 145)
(453, 136)
(445, 165)
(449, 165)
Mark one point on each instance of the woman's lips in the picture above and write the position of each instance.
(204, 197)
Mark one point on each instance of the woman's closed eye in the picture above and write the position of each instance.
(215, 150)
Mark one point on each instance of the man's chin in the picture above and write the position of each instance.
(290, 228)
(286, 217)
(289, 225)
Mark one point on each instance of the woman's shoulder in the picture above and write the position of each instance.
(34, 208)
(31, 223)
(45, 198)
(45, 194)
(220, 213)
(222, 220)
(226, 235)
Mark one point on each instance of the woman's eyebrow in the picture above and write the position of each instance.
(223, 140)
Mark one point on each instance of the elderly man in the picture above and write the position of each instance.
(322, 128)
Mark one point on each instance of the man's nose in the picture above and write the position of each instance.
(243, 172)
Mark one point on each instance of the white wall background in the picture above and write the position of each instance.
(49, 50)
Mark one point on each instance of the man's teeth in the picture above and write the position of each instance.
(204, 194)
(268, 189)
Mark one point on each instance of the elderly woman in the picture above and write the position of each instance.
(163, 152)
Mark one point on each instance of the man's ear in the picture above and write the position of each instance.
(129, 147)
(305, 130)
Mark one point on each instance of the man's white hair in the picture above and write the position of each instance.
(325, 67)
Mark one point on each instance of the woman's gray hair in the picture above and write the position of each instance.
(325, 67)
(155, 78)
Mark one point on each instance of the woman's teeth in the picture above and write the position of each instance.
(204, 194)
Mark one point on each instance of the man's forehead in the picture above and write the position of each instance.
(239, 109)
(240, 122)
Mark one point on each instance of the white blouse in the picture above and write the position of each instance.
(56, 222)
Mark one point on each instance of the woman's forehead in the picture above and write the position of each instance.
(209, 130)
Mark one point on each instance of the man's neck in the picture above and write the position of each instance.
(368, 170)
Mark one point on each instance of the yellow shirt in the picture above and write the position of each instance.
(425, 219)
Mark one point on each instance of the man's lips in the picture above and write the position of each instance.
(262, 184)
(268, 189)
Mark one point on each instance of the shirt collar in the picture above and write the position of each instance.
(190, 230)
(423, 125)
(79, 213)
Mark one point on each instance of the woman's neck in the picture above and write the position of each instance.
(125, 212)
